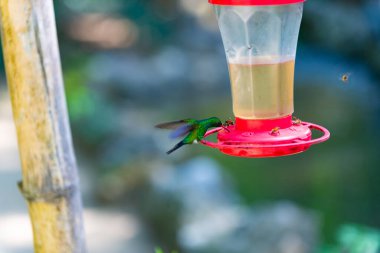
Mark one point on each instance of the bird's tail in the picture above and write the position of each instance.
(177, 146)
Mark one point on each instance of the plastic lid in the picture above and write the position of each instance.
(254, 2)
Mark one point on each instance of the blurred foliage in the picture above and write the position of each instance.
(159, 250)
(85, 105)
(356, 239)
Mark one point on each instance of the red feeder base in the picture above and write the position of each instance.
(266, 138)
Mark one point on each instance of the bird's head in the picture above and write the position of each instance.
(216, 122)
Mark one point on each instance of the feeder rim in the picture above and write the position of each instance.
(221, 145)
(254, 2)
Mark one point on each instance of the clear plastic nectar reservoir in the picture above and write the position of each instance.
(260, 44)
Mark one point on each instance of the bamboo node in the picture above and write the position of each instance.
(47, 196)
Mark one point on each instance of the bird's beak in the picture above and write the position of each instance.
(225, 128)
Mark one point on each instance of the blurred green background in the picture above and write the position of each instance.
(129, 65)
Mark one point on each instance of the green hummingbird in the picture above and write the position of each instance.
(193, 129)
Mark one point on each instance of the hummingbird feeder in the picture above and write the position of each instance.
(260, 40)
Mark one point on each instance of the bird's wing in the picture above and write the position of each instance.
(175, 124)
(182, 131)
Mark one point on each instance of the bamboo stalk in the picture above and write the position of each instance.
(33, 69)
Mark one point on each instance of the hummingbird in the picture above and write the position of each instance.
(193, 130)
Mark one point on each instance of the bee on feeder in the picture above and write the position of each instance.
(275, 131)
(297, 121)
(228, 123)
